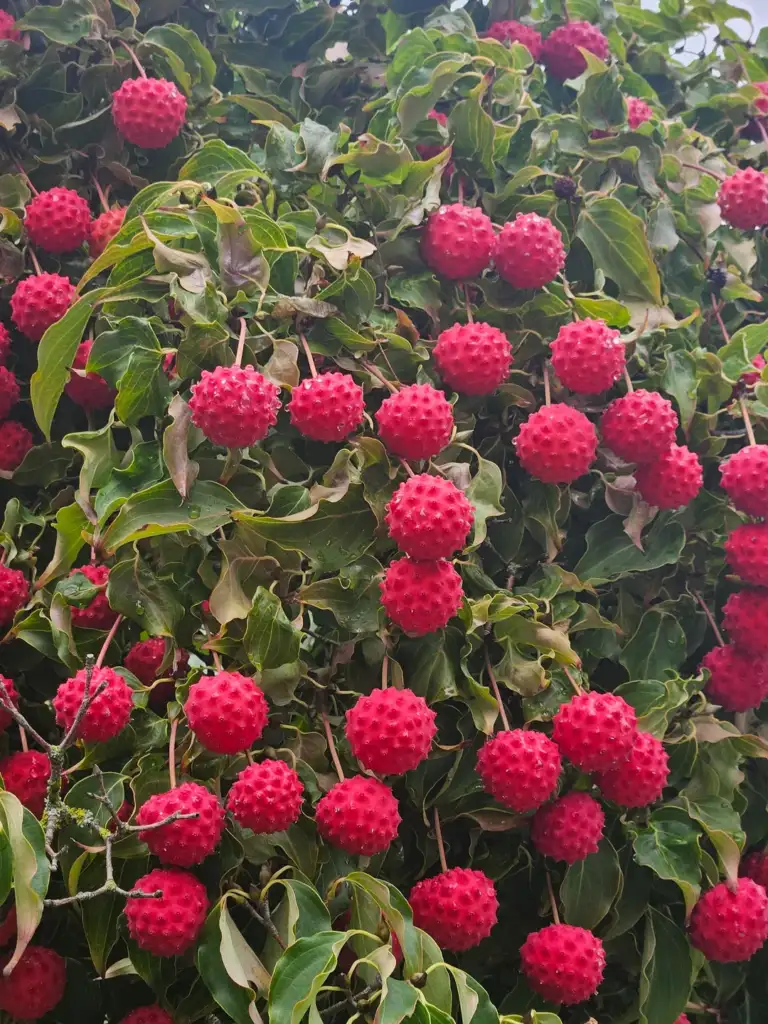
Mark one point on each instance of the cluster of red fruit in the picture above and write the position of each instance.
(560, 52)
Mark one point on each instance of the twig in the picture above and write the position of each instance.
(496, 691)
(552, 900)
(308, 354)
(576, 686)
(172, 752)
(264, 917)
(240, 343)
(109, 885)
(710, 618)
(718, 317)
(547, 395)
(440, 845)
(376, 372)
(406, 466)
(35, 261)
(702, 170)
(100, 193)
(628, 381)
(332, 746)
(7, 704)
(134, 58)
(384, 671)
(467, 303)
(747, 421)
(108, 640)
(23, 740)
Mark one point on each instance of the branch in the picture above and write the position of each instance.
(7, 704)
(264, 917)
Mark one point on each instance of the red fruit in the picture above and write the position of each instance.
(390, 731)
(35, 985)
(596, 731)
(145, 658)
(568, 829)
(170, 924)
(730, 926)
(429, 517)
(529, 251)
(641, 778)
(147, 1015)
(563, 963)
(12, 693)
(457, 908)
(672, 480)
(428, 151)
(227, 712)
(8, 28)
(755, 866)
(761, 102)
(638, 112)
(416, 422)
(149, 112)
(103, 230)
(556, 444)
(88, 390)
(745, 618)
(14, 593)
(458, 241)
(40, 301)
(743, 199)
(640, 426)
(519, 768)
(421, 597)
(266, 797)
(683, 1019)
(26, 774)
(328, 407)
(9, 392)
(8, 927)
(15, 442)
(97, 614)
(57, 220)
(744, 477)
(516, 32)
(107, 716)
(189, 841)
(746, 551)
(473, 359)
(359, 815)
(234, 406)
(561, 55)
(738, 680)
(588, 356)
(5, 344)
(750, 377)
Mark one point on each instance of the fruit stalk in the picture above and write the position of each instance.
(552, 900)
(332, 746)
(496, 691)
(440, 845)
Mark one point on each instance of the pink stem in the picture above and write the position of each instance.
(108, 640)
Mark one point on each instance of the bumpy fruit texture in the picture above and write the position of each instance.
(359, 815)
(596, 731)
(40, 301)
(266, 797)
(457, 242)
(473, 359)
(57, 220)
(519, 768)
(743, 199)
(755, 866)
(89, 391)
(746, 552)
(13, 695)
(5, 344)
(147, 1015)
(149, 112)
(109, 713)
(190, 840)
(563, 963)
(560, 53)
(556, 444)
(640, 780)
(26, 774)
(145, 658)
(9, 391)
(36, 984)
(729, 927)
(14, 592)
(227, 712)
(234, 406)
(638, 112)
(568, 829)
(97, 614)
(529, 251)
(745, 618)
(640, 426)
(588, 356)
(516, 32)
(458, 908)
(744, 477)
(416, 422)
(429, 517)
(390, 731)
(738, 681)
(421, 597)
(15, 442)
(672, 480)
(170, 924)
(103, 230)
(327, 408)
(8, 28)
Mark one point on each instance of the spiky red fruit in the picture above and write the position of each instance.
(14, 591)
(328, 407)
(429, 517)
(15, 442)
(745, 618)
(743, 199)
(5, 344)
(9, 391)
(35, 985)
(588, 356)
(744, 477)
(390, 731)
(641, 778)
(359, 815)
(190, 840)
(760, 103)
(149, 112)
(109, 713)
(40, 301)
(145, 658)
(596, 731)
(755, 866)
(516, 32)
(672, 480)
(103, 230)
(147, 1015)
(457, 908)
(746, 551)
(640, 426)
(26, 774)
(13, 695)
(568, 829)
(556, 444)
(529, 251)
(234, 406)
(97, 614)
(88, 390)
(421, 596)
(561, 54)
(738, 680)
(458, 241)
(170, 924)
(473, 358)
(638, 112)
(57, 220)
(519, 768)
(730, 926)
(266, 797)
(227, 712)
(416, 422)
(683, 1019)
(8, 28)
(563, 963)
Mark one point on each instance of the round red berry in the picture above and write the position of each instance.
(596, 731)
(458, 241)
(328, 407)
(106, 716)
(672, 480)
(14, 591)
(588, 356)
(147, 1015)
(36, 984)
(146, 657)
(227, 712)
(416, 422)
(40, 301)
(189, 840)
(234, 406)
(744, 477)
(568, 829)
(640, 426)
(458, 908)
(745, 618)
(88, 390)
(561, 54)
(421, 597)
(516, 32)
(519, 768)
(97, 614)
(149, 112)
(641, 778)
(563, 963)
(26, 774)
(13, 695)
(8, 28)
(57, 220)
(683, 1019)
(529, 251)
(730, 926)
(5, 344)
(170, 924)
(429, 517)
(266, 797)
(359, 815)
(743, 199)
(390, 731)
(738, 680)
(638, 112)
(15, 442)
(755, 866)
(473, 359)
(746, 552)
(103, 230)
(9, 391)
(556, 444)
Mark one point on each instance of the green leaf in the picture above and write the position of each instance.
(270, 639)
(590, 886)
(70, 523)
(665, 977)
(670, 848)
(137, 592)
(353, 597)
(31, 870)
(228, 965)
(721, 821)
(658, 646)
(484, 493)
(600, 102)
(681, 380)
(398, 1001)
(299, 974)
(618, 244)
(306, 914)
(131, 358)
(65, 24)
(611, 554)
(738, 354)
(217, 160)
(473, 132)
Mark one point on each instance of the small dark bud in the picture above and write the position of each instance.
(717, 278)
(418, 980)
(565, 188)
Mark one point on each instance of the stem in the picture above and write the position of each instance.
(23, 739)
(384, 671)
(332, 746)
(264, 917)
(172, 752)
(406, 466)
(7, 704)
(25, 176)
(108, 640)
(710, 618)
(308, 354)
(35, 263)
(240, 343)
(716, 309)
(747, 421)
(440, 846)
(461, 188)
(552, 900)
(703, 170)
(100, 193)
(376, 372)
(547, 395)
(628, 381)
(496, 691)
(467, 303)
(576, 686)
(134, 58)
(217, 661)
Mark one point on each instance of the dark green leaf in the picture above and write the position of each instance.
(590, 886)
(617, 242)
